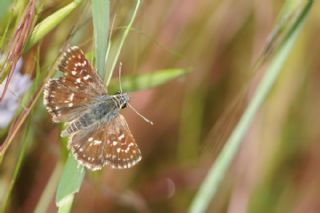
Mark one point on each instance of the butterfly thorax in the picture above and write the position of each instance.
(102, 110)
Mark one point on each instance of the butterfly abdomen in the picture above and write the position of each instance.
(85, 121)
(100, 113)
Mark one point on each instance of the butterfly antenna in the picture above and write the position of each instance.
(120, 69)
(136, 111)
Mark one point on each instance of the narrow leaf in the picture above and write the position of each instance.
(108, 75)
(147, 80)
(70, 181)
(100, 16)
(48, 24)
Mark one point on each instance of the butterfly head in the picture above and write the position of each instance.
(123, 99)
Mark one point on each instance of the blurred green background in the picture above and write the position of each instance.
(219, 42)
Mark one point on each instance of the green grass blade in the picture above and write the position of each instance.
(108, 75)
(5, 31)
(4, 5)
(147, 80)
(70, 182)
(66, 207)
(101, 16)
(73, 173)
(48, 24)
(27, 139)
(219, 168)
(49, 191)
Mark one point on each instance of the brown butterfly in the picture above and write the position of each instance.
(98, 134)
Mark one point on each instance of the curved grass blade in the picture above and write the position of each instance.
(101, 16)
(49, 191)
(108, 74)
(48, 24)
(277, 36)
(70, 182)
(72, 171)
(217, 171)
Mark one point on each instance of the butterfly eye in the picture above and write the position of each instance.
(124, 106)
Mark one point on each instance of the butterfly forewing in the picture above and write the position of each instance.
(65, 97)
(78, 73)
(111, 144)
(63, 103)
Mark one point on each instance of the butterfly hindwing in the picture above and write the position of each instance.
(111, 144)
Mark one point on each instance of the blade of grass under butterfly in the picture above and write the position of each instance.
(64, 197)
(49, 23)
(147, 80)
(49, 191)
(70, 183)
(67, 207)
(72, 171)
(216, 173)
(108, 74)
(100, 17)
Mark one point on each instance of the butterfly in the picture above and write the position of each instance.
(98, 134)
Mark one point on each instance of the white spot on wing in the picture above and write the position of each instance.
(121, 136)
(86, 77)
(97, 142)
(70, 98)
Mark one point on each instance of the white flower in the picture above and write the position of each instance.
(18, 85)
